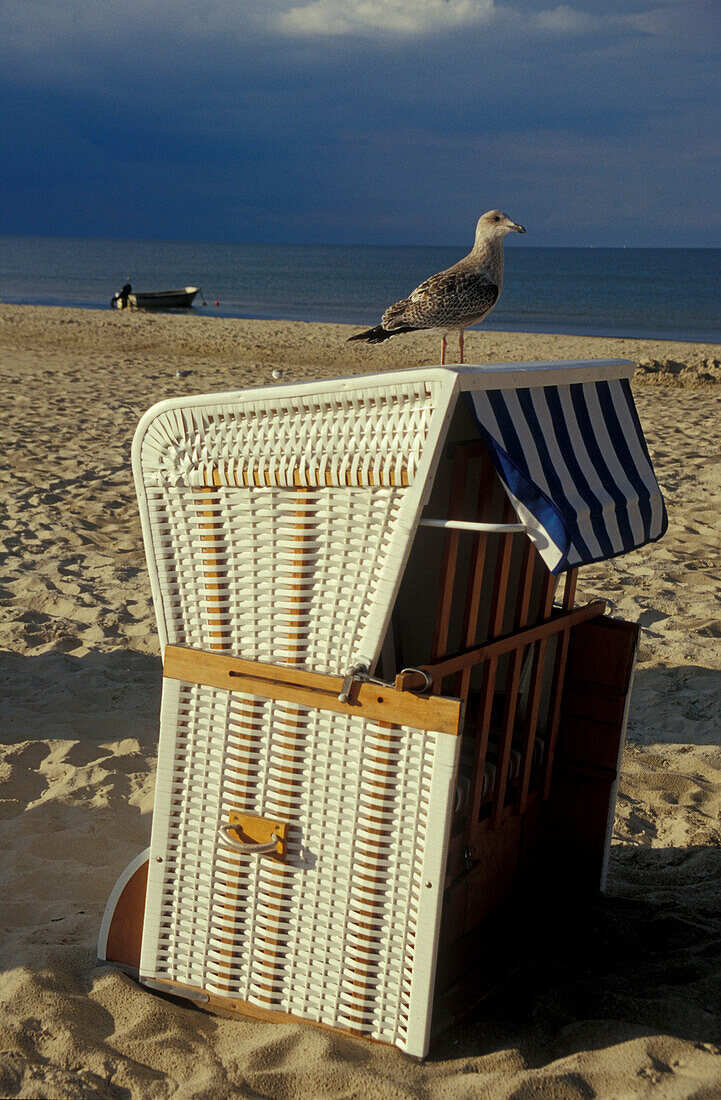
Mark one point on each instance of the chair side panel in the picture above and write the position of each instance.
(341, 931)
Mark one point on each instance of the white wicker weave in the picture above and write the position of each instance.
(342, 932)
(277, 522)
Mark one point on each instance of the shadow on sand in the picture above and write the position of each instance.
(101, 696)
(644, 959)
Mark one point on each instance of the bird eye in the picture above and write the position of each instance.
(496, 218)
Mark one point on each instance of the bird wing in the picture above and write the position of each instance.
(451, 299)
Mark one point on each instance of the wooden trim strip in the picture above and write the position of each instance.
(216, 577)
(559, 673)
(219, 638)
(371, 909)
(534, 698)
(469, 629)
(312, 689)
(273, 940)
(448, 562)
(569, 589)
(457, 661)
(488, 686)
(292, 479)
(513, 675)
(480, 752)
(236, 1005)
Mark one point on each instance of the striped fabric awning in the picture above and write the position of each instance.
(575, 465)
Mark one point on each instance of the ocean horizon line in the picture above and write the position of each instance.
(668, 294)
(526, 245)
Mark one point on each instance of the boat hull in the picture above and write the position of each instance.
(164, 299)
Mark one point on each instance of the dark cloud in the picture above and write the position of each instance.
(387, 121)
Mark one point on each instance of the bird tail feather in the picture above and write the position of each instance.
(378, 334)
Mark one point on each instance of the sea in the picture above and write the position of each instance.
(661, 293)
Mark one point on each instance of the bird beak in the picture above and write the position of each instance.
(517, 228)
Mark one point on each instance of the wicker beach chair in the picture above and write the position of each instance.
(384, 725)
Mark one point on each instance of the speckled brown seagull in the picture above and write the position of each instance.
(456, 298)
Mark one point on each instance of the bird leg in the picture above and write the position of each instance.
(443, 350)
(460, 345)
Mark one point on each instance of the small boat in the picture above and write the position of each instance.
(160, 299)
(164, 299)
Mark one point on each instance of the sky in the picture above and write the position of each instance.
(594, 122)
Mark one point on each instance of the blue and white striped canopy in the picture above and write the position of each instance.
(575, 464)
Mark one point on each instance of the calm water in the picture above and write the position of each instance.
(654, 292)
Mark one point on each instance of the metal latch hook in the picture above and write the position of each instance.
(360, 674)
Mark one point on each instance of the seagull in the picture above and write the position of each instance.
(460, 296)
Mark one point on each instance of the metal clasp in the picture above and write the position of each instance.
(360, 674)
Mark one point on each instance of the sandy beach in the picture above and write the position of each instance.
(625, 1005)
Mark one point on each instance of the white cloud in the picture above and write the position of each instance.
(567, 20)
(402, 18)
(416, 18)
(32, 32)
